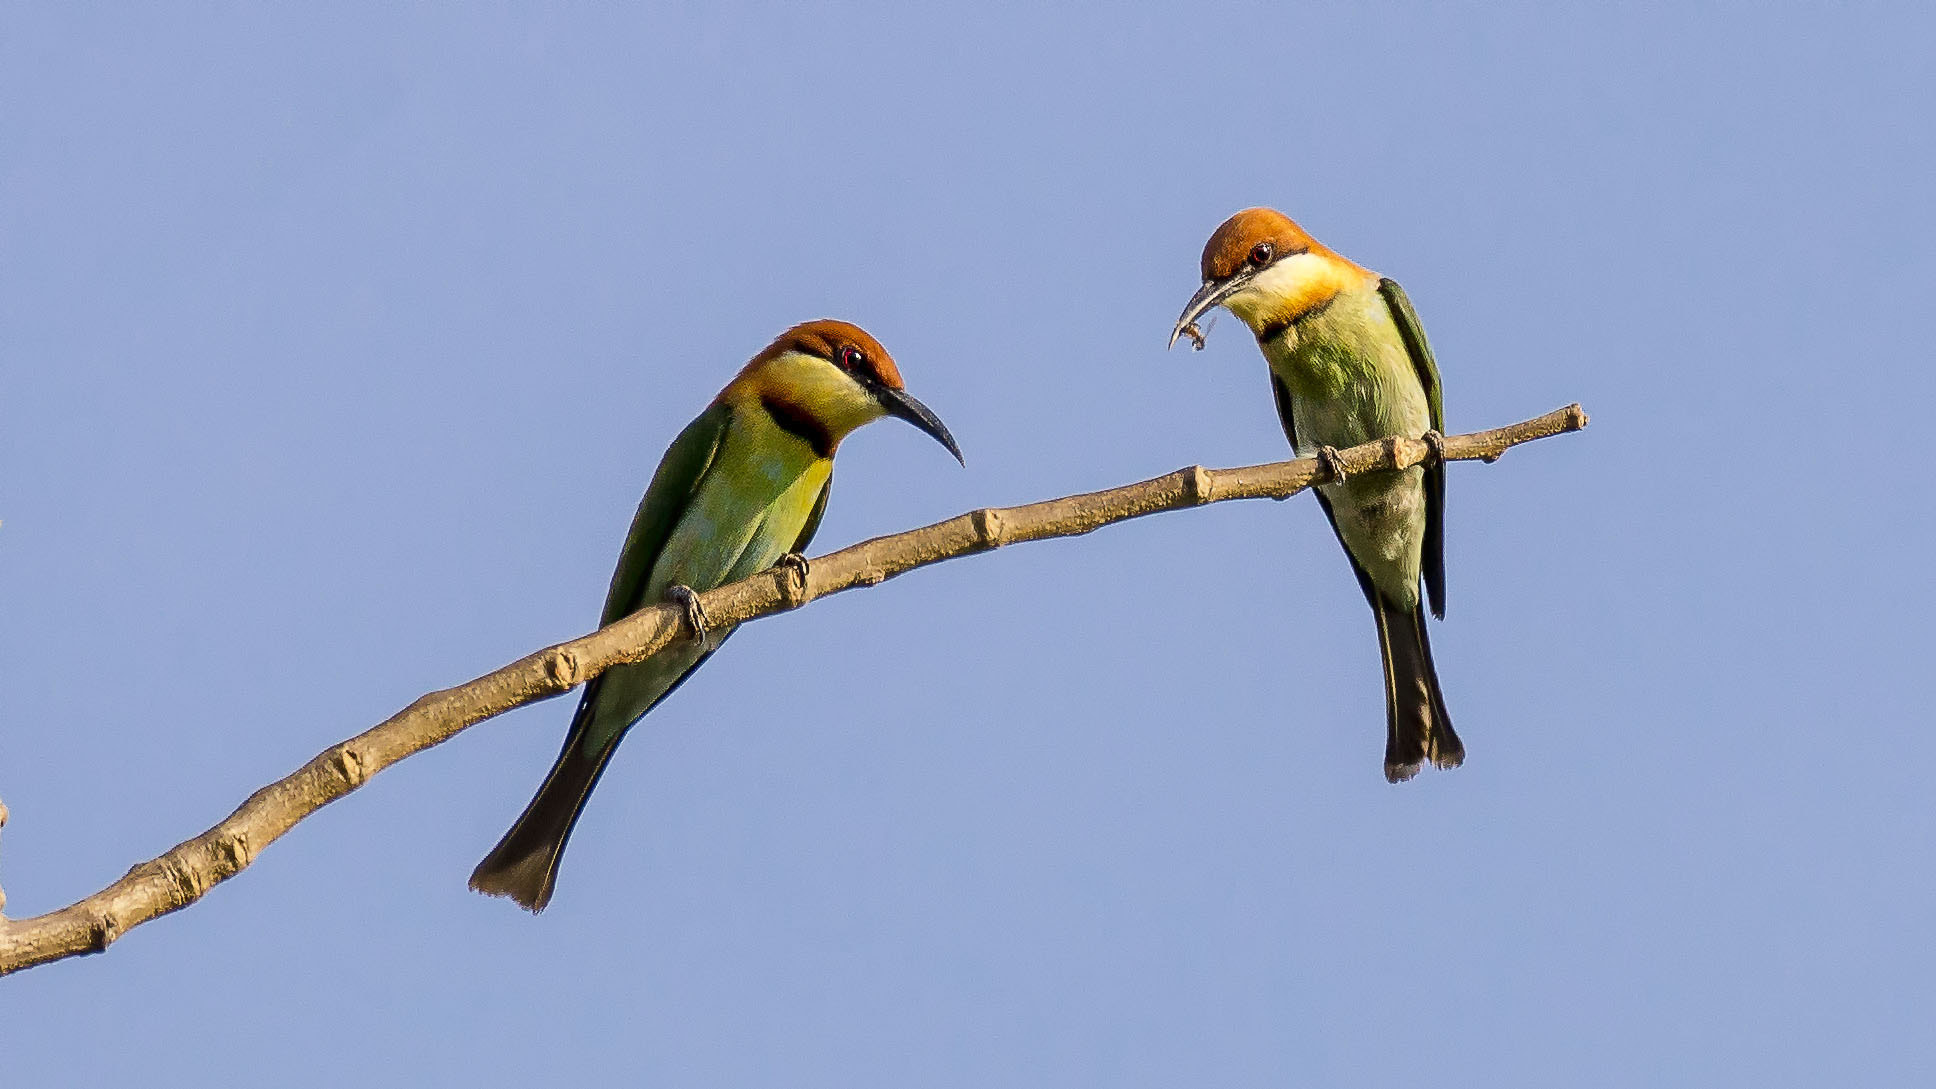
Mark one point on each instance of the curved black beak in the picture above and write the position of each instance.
(902, 403)
(1207, 298)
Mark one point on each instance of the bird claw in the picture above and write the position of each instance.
(1436, 443)
(1333, 463)
(797, 563)
(695, 612)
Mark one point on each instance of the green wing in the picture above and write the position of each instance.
(1413, 334)
(673, 486)
(813, 518)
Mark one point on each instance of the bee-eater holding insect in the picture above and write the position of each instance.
(741, 489)
(1349, 365)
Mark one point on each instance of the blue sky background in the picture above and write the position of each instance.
(338, 345)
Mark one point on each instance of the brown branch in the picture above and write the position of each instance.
(187, 871)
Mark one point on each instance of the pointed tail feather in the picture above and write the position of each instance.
(524, 864)
(1417, 726)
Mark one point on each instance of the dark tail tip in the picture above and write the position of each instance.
(1418, 729)
(1444, 749)
(524, 864)
(1395, 771)
(527, 881)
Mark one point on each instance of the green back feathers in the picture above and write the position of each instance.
(678, 478)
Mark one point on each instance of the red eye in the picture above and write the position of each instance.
(1260, 254)
(852, 359)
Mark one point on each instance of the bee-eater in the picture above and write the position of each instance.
(741, 489)
(1348, 365)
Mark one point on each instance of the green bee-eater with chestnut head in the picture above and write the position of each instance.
(741, 489)
(1348, 365)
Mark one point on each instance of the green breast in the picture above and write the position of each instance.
(748, 511)
(1349, 375)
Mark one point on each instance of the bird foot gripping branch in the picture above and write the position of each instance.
(683, 597)
(1333, 463)
(796, 562)
(1435, 442)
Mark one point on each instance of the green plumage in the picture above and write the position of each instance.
(733, 494)
(1355, 370)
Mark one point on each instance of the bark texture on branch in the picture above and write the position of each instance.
(187, 871)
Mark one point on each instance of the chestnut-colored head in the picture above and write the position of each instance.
(1252, 238)
(841, 343)
(822, 379)
(1265, 269)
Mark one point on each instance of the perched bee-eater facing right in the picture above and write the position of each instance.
(1349, 365)
(741, 489)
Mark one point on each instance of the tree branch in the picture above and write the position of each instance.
(187, 871)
